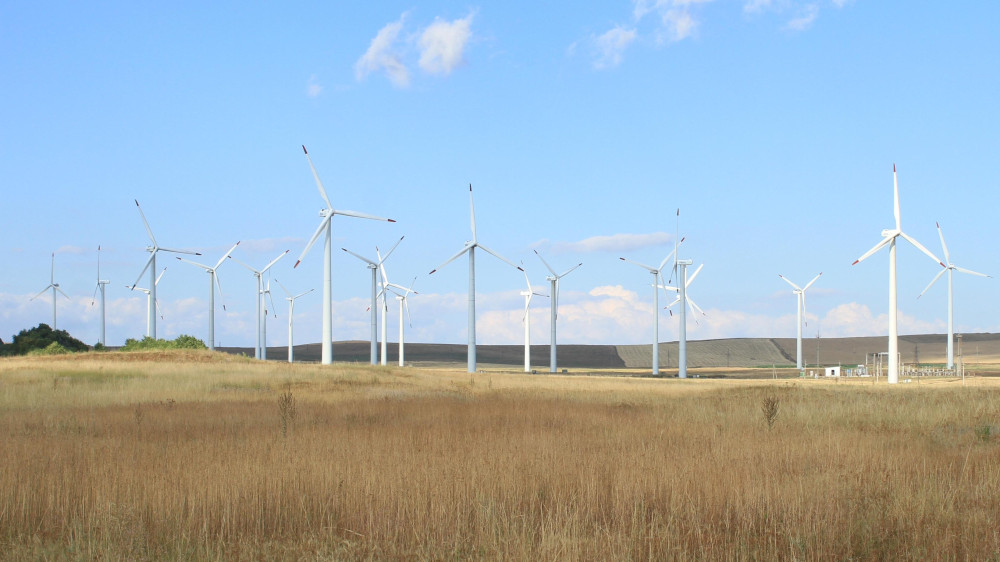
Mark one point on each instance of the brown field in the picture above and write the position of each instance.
(198, 455)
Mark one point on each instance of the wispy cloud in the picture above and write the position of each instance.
(313, 89)
(442, 45)
(805, 19)
(612, 243)
(611, 46)
(383, 55)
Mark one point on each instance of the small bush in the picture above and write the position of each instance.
(182, 341)
(52, 349)
(769, 407)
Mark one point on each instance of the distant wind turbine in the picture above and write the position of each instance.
(656, 271)
(325, 229)
(683, 297)
(800, 294)
(950, 268)
(401, 295)
(527, 294)
(101, 284)
(554, 309)
(291, 313)
(261, 351)
(470, 247)
(55, 287)
(213, 281)
(373, 265)
(889, 238)
(151, 266)
(152, 304)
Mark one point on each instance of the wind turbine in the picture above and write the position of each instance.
(656, 304)
(470, 247)
(101, 283)
(554, 309)
(325, 229)
(683, 284)
(291, 312)
(151, 266)
(373, 266)
(213, 281)
(55, 287)
(264, 297)
(889, 238)
(394, 288)
(950, 268)
(800, 293)
(527, 294)
(261, 351)
(151, 303)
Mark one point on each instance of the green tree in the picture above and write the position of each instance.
(40, 337)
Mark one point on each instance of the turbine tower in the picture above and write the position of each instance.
(470, 247)
(213, 281)
(326, 216)
(950, 268)
(101, 284)
(554, 309)
(151, 266)
(374, 266)
(55, 287)
(800, 294)
(683, 284)
(291, 313)
(261, 351)
(527, 294)
(656, 304)
(889, 238)
(152, 304)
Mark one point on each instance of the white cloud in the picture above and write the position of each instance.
(841, 3)
(313, 89)
(382, 55)
(443, 43)
(805, 20)
(611, 46)
(613, 243)
(676, 20)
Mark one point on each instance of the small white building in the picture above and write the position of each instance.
(831, 371)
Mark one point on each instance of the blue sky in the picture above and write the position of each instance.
(772, 125)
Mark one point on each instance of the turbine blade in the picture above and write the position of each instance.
(472, 214)
(391, 250)
(895, 197)
(809, 284)
(201, 265)
(360, 257)
(222, 296)
(695, 306)
(189, 252)
(274, 261)
(646, 267)
(876, 248)
(693, 275)
(947, 258)
(161, 276)
(223, 258)
(786, 280)
(969, 271)
(498, 256)
(568, 271)
(453, 258)
(52, 270)
(303, 294)
(282, 287)
(547, 266)
(360, 215)
(322, 224)
(237, 260)
(526, 281)
(40, 293)
(920, 247)
(319, 184)
(149, 231)
(933, 281)
(406, 306)
(143, 272)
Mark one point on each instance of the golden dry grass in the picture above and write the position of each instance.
(150, 456)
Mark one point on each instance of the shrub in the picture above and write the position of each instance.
(52, 349)
(182, 341)
(40, 338)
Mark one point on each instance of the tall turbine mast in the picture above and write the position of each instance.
(374, 265)
(325, 229)
(55, 287)
(656, 302)
(800, 297)
(291, 313)
(101, 284)
(554, 309)
(213, 281)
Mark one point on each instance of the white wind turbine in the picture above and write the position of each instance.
(55, 287)
(374, 266)
(151, 266)
(656, 304)
(470, 247)
(291, 313)
(403, 304)
(261, 351)
(683, 284)
(950, 268)
(152, 304)
(213, 281)
(527, 294)
(800, 294)
(889, 238)
(101, 283)
(325, 229)
(554, 309)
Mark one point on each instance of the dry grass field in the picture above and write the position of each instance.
(198, 455)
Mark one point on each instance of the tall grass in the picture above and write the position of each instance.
(386, 463)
